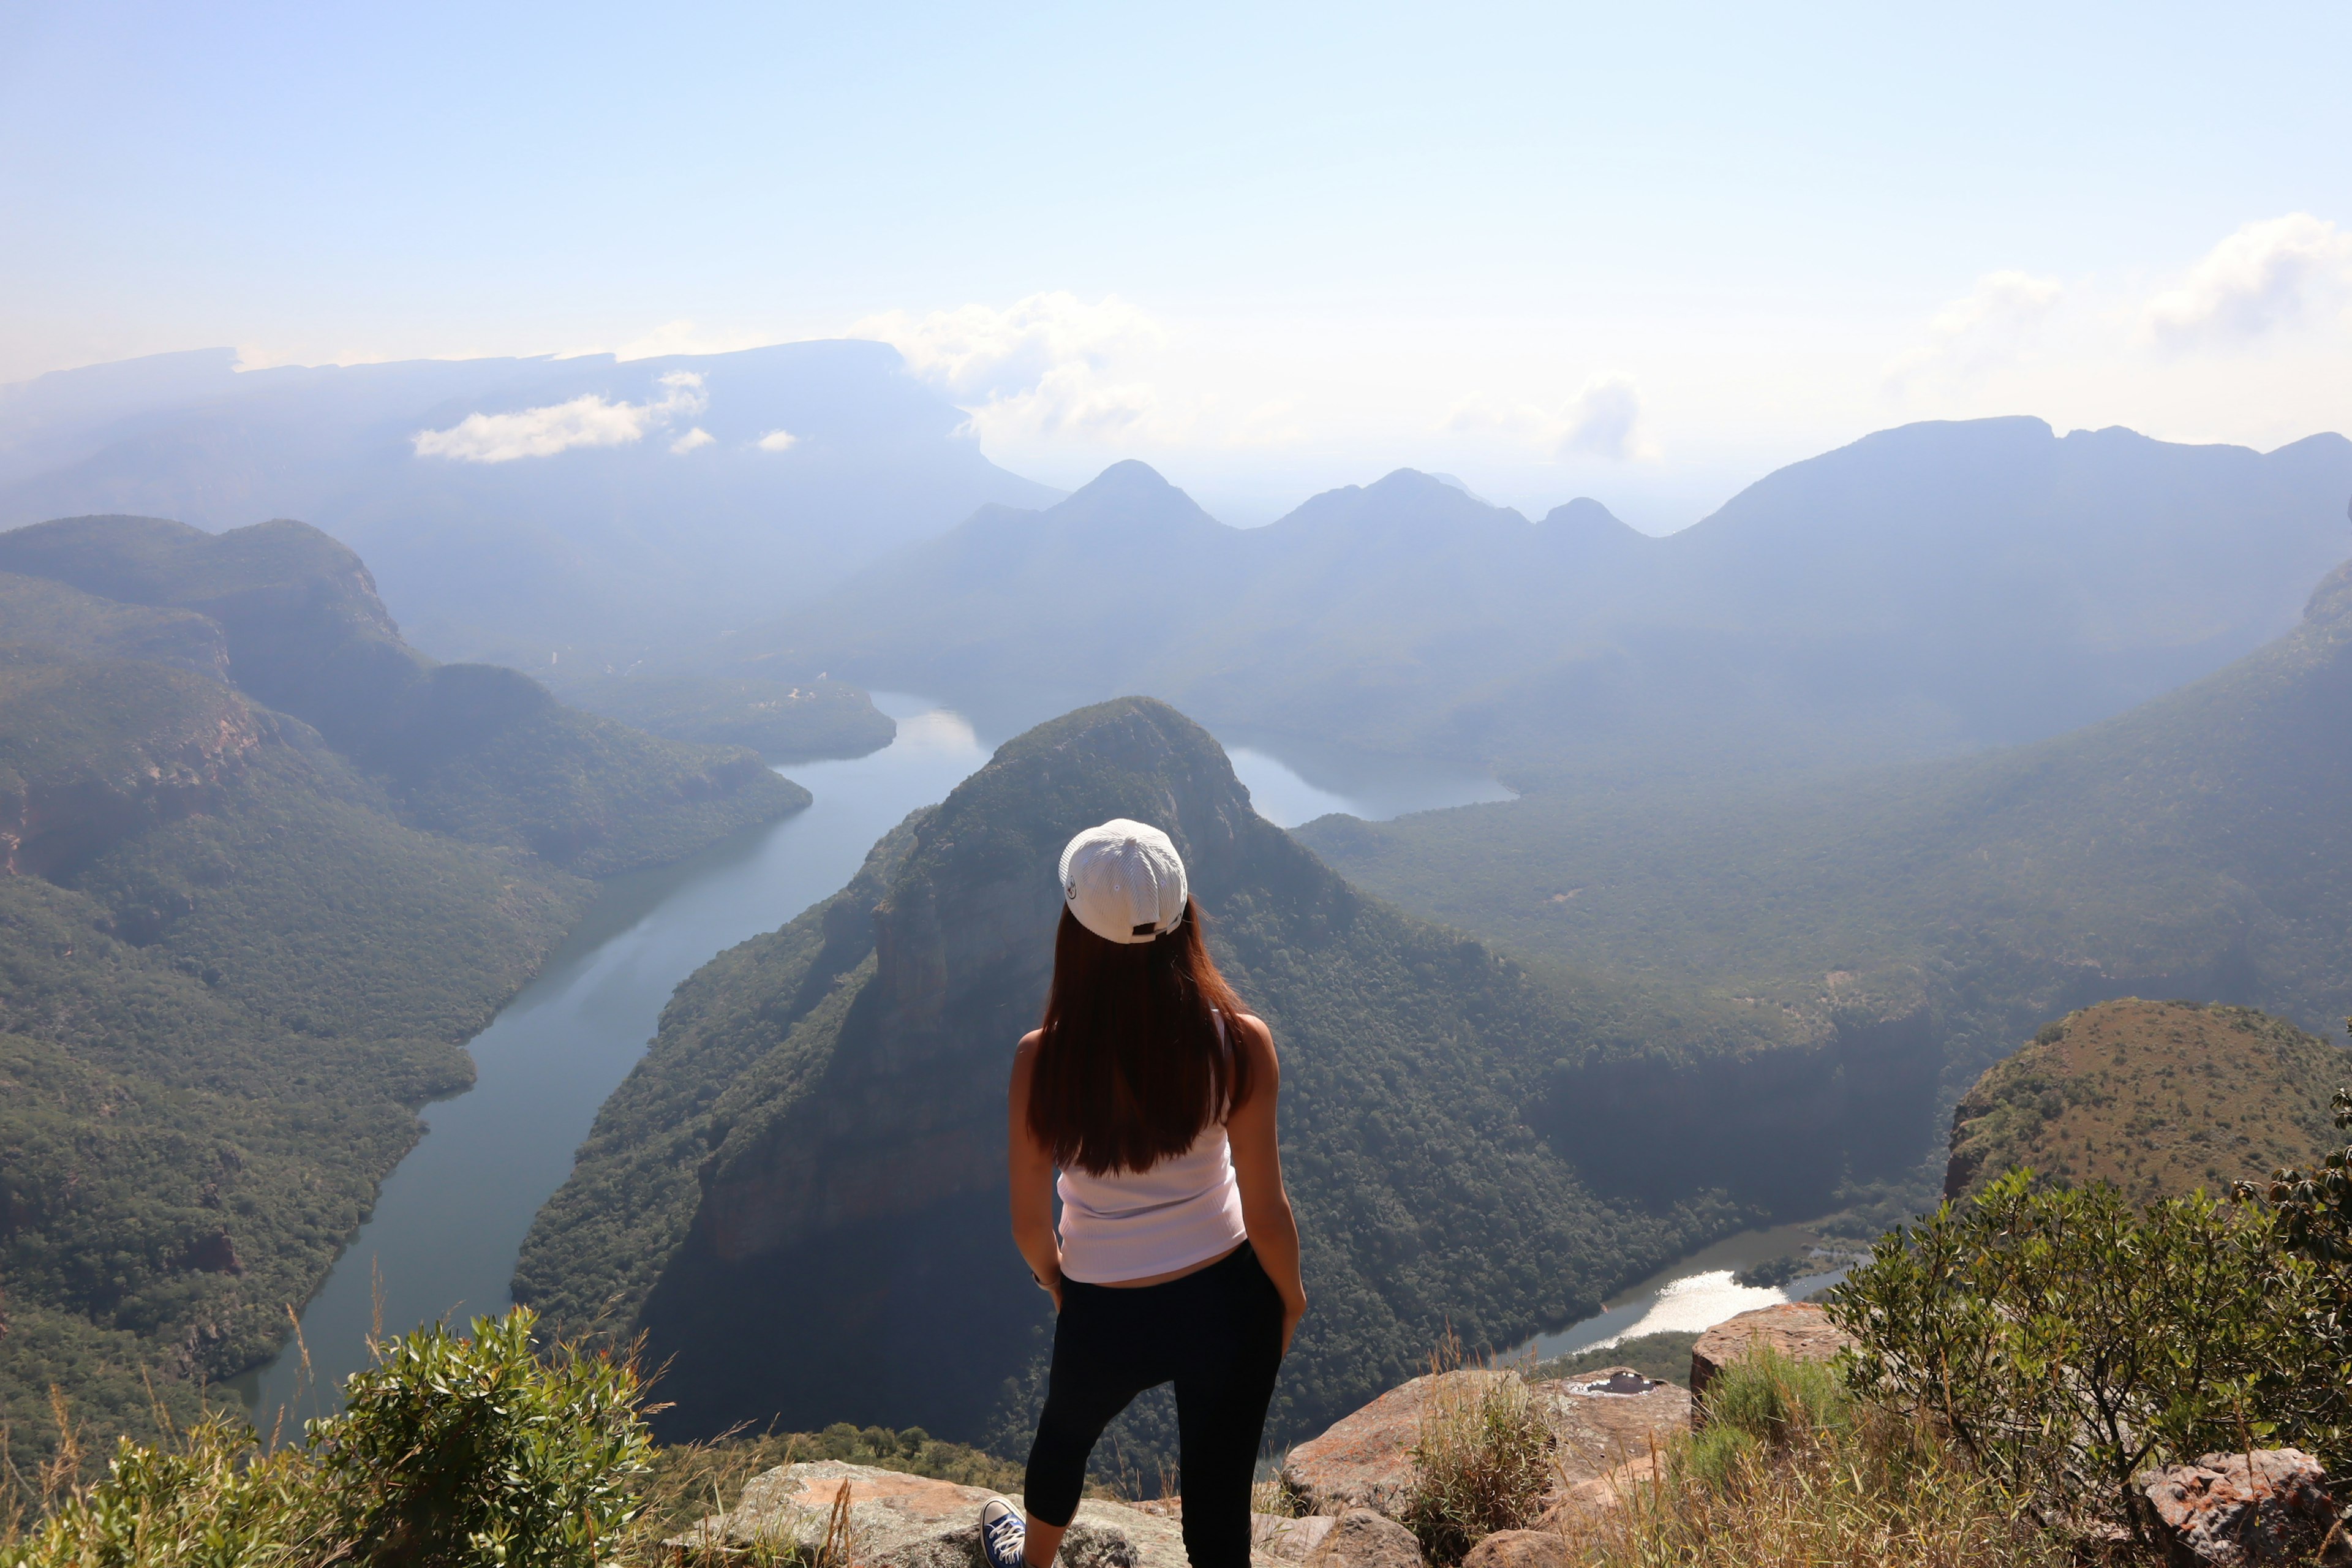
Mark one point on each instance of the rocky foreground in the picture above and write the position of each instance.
(1349, 1488)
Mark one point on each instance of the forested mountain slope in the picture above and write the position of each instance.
(798, 1195)
(2159, 1099)
(2199, 846)
(237, 949)
(1926, 590)
(718, 489)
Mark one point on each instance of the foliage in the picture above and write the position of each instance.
(1791, 1475)
(206, 1500)
(451, 1453)
(2314, 1206)
(1482, 1462)
(2066, 1340)
(462, 1451)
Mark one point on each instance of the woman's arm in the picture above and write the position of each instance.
(1257, 1166)
(1033, 1181)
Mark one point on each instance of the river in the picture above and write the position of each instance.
(449, 1220)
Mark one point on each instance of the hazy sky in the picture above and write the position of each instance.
(1638, 252)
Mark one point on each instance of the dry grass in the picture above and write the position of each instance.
(1787, 1478)
(1483, 1462)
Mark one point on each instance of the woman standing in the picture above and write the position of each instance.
(1153, 1094)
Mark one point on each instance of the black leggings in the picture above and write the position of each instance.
(1218, 1335)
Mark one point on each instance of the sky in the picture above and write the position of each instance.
(1642, 253)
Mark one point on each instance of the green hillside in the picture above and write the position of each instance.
(2157, 1099)
(825, 1104)
(2194, 846)
(235, 956)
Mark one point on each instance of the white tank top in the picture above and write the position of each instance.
(1131, 1225)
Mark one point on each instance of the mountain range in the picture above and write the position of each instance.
(1924, 591)
(2193, 847)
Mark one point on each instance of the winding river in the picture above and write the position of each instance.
(448, 1222)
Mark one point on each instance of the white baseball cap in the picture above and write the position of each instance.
(1124, 881)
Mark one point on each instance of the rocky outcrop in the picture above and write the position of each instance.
(895, 1521)
(1605, 1420)
(1365, 1460)
(1796, 1329)
(1521, 1549)
(1600, 1422)
(1360, 1538)
(2270, 1506)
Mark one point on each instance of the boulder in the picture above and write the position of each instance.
(2269, 1506)
(1365, 1460)
(1292, 1540)
(1797, 1330)
(1580, 1502)
(1360, 1538)
(1521, 1549)
(1606, 1419)
(911, 1522)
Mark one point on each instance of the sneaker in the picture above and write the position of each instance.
(1001, 1533)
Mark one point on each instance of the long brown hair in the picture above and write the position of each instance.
(1132, 1066)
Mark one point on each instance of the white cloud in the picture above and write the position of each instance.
(778, 441)
(2267, 275)
(1042, 365)
(1988, 322)
(585, 420)
(1603, 420)
(692, 439)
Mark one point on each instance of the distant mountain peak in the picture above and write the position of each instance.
(1129, 490)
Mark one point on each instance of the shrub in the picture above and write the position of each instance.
(2065, 1341)
(210, 1500)
(450, 1452)
(456, 1451)
(1482, 1463)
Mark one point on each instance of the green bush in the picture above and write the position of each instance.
(209, 1502)
(451, 1453)
(475, 1451)
(2065, 1341)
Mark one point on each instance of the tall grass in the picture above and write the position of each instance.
(1483, 1462)
(1789, 1471)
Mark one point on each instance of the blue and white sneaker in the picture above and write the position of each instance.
(1002, 1534)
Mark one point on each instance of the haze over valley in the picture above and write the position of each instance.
(1726, 664)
